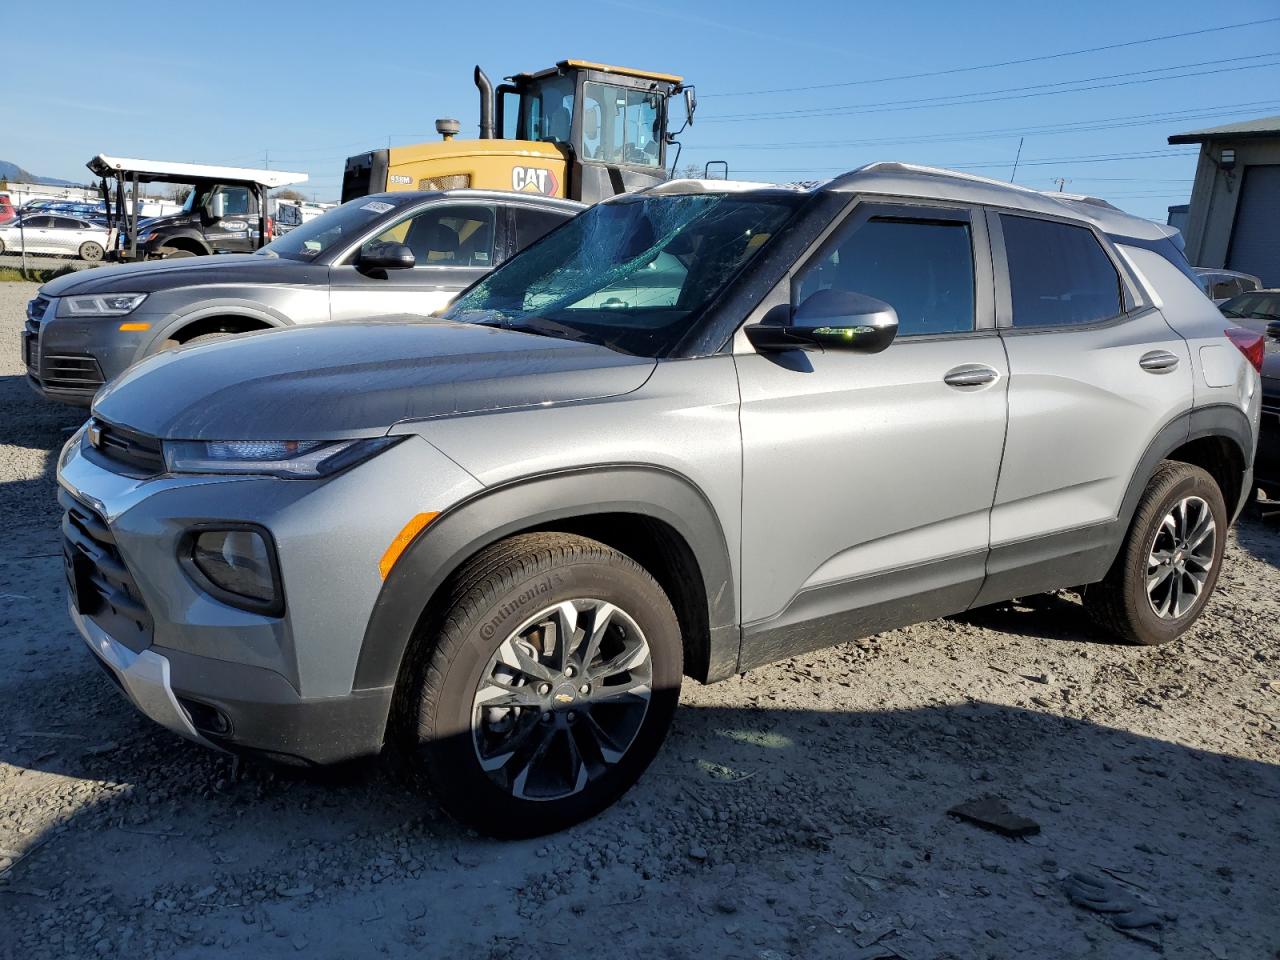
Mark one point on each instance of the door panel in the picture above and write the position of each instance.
(1082, 410)
(868, 479)
(1087, 391)
(859, 465)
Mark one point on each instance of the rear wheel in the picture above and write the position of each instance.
(91, 251)
(1169, 562)
(1, 246)
(544, 689)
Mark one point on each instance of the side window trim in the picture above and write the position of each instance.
(1134, 298)
(863, 209)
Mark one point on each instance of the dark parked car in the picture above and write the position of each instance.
(1260, 310)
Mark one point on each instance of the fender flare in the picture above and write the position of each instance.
(241, 308)
(1216, 420)
(537, 501)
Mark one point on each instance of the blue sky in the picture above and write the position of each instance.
(307, 84)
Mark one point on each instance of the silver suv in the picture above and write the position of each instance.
(692, 431)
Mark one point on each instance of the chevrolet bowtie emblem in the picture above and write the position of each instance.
(563, 698)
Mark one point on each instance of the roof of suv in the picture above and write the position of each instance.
(934, 183)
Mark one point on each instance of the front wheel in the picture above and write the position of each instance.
(91, 251)
(545, 687)
(1170, 559)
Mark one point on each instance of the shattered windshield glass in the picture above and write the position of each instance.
(631, 274)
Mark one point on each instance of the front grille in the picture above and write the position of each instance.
(139, 454)
(71, 371)
(101, 586)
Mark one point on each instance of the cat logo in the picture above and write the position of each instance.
(534, 180)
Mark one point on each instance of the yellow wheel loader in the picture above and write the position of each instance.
(579, 129)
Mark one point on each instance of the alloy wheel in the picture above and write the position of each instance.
(562, 699)
(1181, 558)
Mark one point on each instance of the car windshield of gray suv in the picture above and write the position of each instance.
(631, 274)
(308, 241)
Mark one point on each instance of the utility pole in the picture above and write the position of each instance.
(266, 159)
(1061, 182)
(1016, 158)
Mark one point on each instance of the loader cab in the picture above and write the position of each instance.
(611, 123)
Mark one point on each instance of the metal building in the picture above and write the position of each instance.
(1234, 221)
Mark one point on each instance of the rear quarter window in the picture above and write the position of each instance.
(1059, 274)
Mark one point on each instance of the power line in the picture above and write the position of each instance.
(1001, 63)
(1036, 162)
(1009, 93)
(1077, 126)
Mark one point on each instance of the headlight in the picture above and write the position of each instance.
(292, 459)
(105, 305)
(238, 567)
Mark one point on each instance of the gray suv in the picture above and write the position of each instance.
(692, 431)
(386, 255)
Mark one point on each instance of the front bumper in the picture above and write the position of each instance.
(239, 709)
(69, 360)
(279, 686)
(143, 677)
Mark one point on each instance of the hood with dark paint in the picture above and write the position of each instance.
(151, 276)
(356, 379)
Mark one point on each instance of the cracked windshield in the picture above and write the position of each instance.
(631, 274)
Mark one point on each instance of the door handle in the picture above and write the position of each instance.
(1158, 361)
(970, 375)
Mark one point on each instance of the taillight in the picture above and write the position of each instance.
(271, 228)
(1252, 345)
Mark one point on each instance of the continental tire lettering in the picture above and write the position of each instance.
(539, 589)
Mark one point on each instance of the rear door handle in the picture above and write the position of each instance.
(970, 375)
(1158, 361)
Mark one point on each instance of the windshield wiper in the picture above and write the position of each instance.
(541, 327)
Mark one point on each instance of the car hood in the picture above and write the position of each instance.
(151, 276)
(356, 379)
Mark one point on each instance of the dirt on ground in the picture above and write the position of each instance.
(796, 812)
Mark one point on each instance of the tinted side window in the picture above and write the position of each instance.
(532, 224)
(453, 235)
(40, 222)
(922, 268)
(1059, 275)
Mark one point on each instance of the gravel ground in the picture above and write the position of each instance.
(797, 812)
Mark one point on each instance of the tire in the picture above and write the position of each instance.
(1, 247)
(494, 614)
(91, 251)
(206, 338)
(173, 253)
(1121, 603)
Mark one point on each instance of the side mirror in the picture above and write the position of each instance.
(1273, 329)
(217, 206)
(385, 256)
(690, 104)
(830, 320)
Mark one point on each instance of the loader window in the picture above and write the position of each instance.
(549, 115)
(621, 125)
